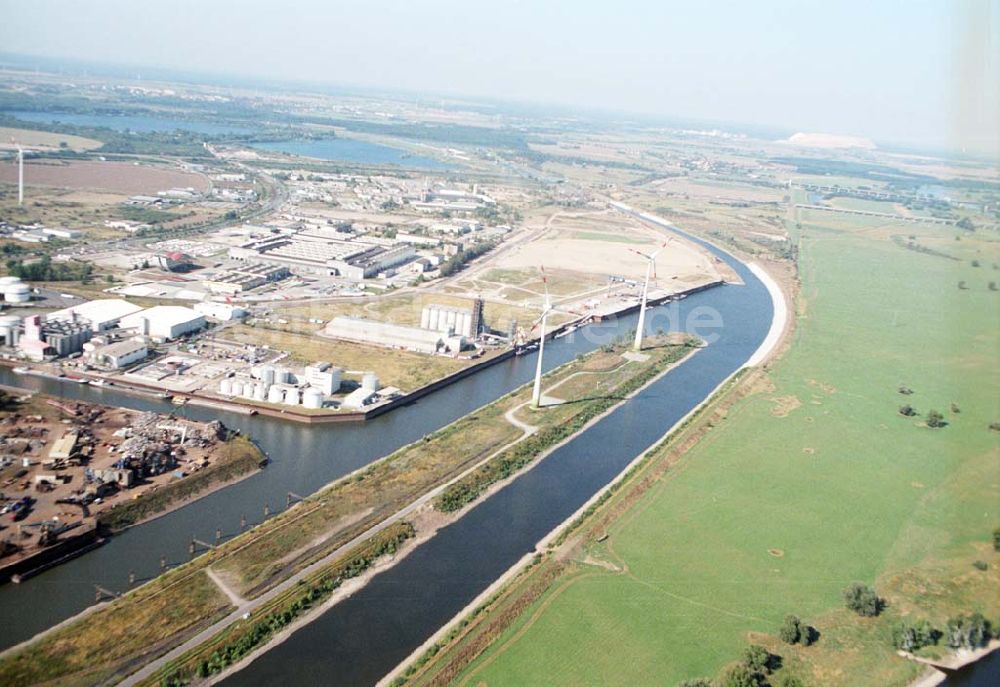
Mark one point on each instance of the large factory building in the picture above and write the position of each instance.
(164, 322)
(392, 335)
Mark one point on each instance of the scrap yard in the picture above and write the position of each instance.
(69, 471)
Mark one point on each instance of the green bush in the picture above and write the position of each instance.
(863, 600)
(914, 635)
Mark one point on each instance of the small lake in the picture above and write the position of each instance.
(352, 150)
(137, 123)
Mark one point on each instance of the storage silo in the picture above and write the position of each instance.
(226, 387)
(275, 394)
(248, 389)
(267, 374)
(9, 330)
(370, 381)
(292, 396)
(17, 293)
(236, 387)
(281, 375)
(260, 391)
(312, 398)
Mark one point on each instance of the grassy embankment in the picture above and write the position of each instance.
(244, 637)
(259, 559)
(806, 479)
(236, 457)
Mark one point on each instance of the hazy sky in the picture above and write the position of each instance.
(915, 71)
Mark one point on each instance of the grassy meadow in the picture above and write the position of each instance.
(812, 481)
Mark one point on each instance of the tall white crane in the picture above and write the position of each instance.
(650, 271)
(536, 393)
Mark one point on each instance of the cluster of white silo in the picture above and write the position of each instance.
(14, 290)
(369, 382)
(10, 330)
(264, 385)
(441, 318)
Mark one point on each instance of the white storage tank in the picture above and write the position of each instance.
(267, 374)
(9, 330)
(292, 396)
(370, 381)
(226, 387)
(313, 398)
(282, 375)
(275, 394)
(17, 293)
(248, 389)
(236, 387)
(260, 391)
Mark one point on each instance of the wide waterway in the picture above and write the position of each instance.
(359, 640)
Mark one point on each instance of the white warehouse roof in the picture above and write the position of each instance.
(384, 334)
(101, 313)
(165, 321)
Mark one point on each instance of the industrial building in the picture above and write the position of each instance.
(101, 314)
(164, 322)
(10, 330)
(392, 335)
(220, 311)
(324, 376)
(359, 398)
(53, 338)
(63, 233)
(245, 277)
(174, 261)
(115, 356)
(316, 254)
(467, 322)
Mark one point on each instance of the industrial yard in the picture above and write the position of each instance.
(348, 294)
(71, 471)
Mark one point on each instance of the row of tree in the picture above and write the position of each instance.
(44, 269)
(961, 632)
(459, 259)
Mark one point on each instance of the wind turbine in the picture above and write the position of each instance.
(20, 172)
(650, 270)
(536, 393)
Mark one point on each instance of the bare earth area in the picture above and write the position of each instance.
(122, 177)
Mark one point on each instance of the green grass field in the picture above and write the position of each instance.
(810, 483)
